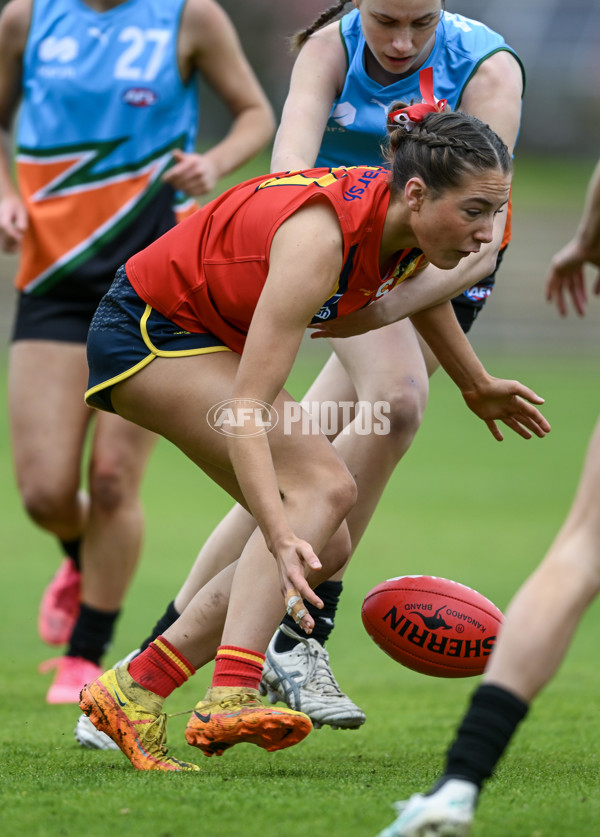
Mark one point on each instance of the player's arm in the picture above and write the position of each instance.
(428, 287)
(317, 77)
(492, 399)
(566, 277)
(209, 43)
(14, 27)
(304, 264)
(494, 95)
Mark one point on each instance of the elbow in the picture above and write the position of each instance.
(268, 122)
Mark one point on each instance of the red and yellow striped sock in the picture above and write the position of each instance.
(161, 668)
(236, 666)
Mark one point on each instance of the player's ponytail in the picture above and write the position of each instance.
(430, 141)
(298, 40)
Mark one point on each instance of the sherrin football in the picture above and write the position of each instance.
(432, 625)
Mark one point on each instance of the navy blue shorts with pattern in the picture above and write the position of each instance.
(126, 334)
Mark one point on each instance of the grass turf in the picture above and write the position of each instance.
(460, 505)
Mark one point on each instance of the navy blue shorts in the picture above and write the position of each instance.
(126, 334)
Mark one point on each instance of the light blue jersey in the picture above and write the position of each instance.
(103, 108)
(357, 124)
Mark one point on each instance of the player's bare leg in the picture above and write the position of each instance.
(49, 422)
(317, 492)
(544, 614)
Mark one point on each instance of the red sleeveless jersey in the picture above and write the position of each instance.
(207, 274)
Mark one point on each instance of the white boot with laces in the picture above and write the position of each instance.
(302, 678)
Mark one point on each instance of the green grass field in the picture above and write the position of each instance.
(462, 506)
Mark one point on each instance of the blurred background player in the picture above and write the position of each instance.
(346, 75)
(542, 618)
(105, 163)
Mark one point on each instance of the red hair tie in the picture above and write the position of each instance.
(411, 115)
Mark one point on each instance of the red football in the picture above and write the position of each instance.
(433, 625)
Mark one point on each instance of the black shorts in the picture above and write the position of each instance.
(468, 304)
(50, 318)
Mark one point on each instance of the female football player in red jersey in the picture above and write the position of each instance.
(346, 74)
(195, 341)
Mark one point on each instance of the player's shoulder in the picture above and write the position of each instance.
(15, 17)
(324, 53)
(205, 30)
(500, 71)
(467, 36)
(467, 27)
(324, 41)
(15, 21)
(204, 16)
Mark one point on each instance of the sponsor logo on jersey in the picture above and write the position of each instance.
(62, 50)
(344, 114)
(140, 97)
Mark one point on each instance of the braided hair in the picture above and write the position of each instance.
(300, 38)
(442, 149)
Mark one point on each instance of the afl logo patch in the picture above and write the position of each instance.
(140, 97)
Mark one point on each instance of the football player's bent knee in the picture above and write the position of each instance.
(338, 551)
(109, 489)
(405, 408)
(338, 491)
(50, 505)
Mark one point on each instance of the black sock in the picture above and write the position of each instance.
(92, 633)
(484, 734)
(329, 592)
(72, 549)
(166, 620)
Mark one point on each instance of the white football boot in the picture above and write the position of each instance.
(446, 813)
(86, 733)
(303, 679)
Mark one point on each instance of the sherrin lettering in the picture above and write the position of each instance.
(432, 625)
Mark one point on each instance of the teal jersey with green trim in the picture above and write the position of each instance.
(356, 127)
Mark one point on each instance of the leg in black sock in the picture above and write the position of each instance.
(484, 734)
(166, 620)
(72, 550)
(92, 634)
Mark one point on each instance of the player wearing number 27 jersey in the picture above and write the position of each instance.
(89, 169)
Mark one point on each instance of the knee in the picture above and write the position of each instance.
(49, 504)
(405, 407)
(108, 485)
(338, 491)
(338, 551)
